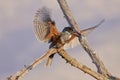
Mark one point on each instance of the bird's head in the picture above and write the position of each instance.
(70, 30)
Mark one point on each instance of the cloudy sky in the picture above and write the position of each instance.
(19, 47)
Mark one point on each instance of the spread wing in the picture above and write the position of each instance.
(42, 24)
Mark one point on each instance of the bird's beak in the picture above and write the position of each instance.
(76, 33)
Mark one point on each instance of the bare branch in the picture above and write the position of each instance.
(89, 50)
(25, 70)
(93, 55)
(68, 15)
(80, 66)
(95, 58)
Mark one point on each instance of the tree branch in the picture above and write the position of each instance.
(95, 58)
(93, 55)
(103, 73)
(66, 11)
(25, 70)
(80, 66)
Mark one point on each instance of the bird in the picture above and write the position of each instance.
(45, 30)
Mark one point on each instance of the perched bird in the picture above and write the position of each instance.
(45, 30)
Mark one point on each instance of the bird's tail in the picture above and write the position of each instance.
(49, 61)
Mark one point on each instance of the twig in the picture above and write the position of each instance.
(25, 70)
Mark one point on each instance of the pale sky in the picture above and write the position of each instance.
(19, 46)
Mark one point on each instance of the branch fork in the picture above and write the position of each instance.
(101, 74)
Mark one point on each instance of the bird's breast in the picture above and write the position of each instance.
(65, 36)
